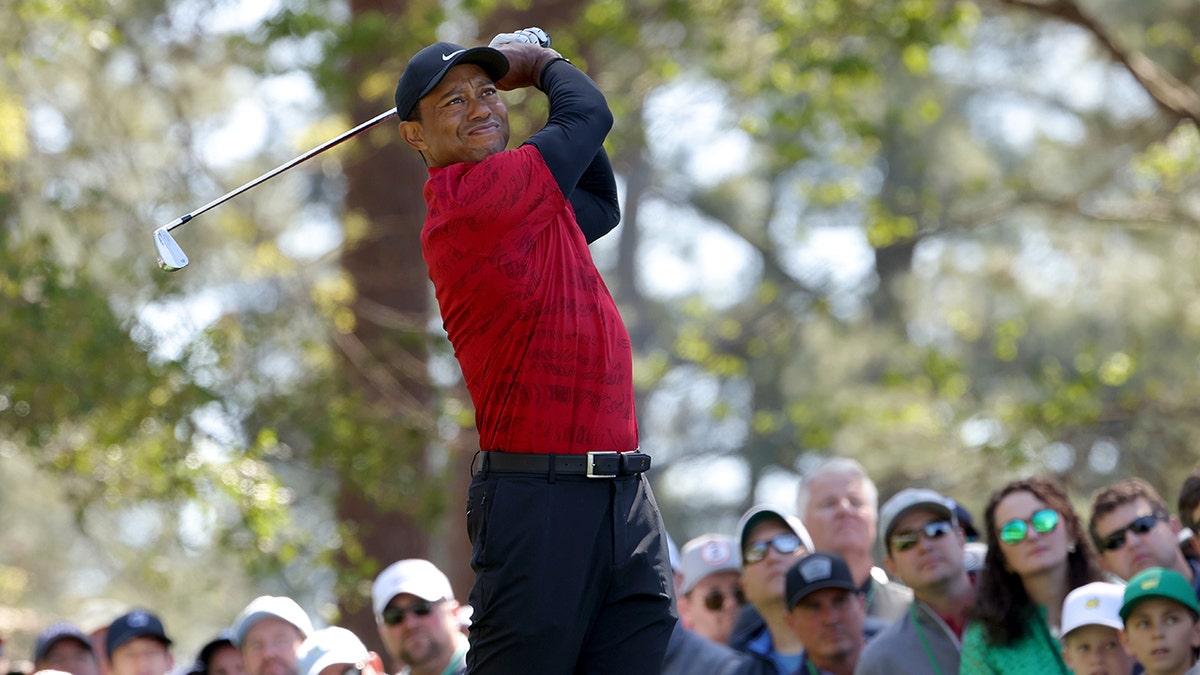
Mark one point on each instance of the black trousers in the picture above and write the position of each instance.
(572, 576)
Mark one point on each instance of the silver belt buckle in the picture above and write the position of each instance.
(591, 464)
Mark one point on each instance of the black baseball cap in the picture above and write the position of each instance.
(427, 68)
(55, 633)
(135, 624)
(817, 571)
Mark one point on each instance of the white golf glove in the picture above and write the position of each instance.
(532, 35)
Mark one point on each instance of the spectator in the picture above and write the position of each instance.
(924, 545)
(65, 648)
(710, 595)
(219, 656)
(770, 543)
(1037, 553)
(268, 632)
(1134, 530)
(838, 503)
(691, 654)
(1188, 506)
(418, 619)
(136, 644)
(1091, 625)
(1162, 622)
(333, 651)
(827, 612)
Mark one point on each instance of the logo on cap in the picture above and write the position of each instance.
(447, 57)
(138, 619)
(1152, 582)
(716, 553)
(1093, 603)
(815, 569)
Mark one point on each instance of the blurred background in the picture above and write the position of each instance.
(952, 240)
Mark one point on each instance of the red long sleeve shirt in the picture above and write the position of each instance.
(546, 357)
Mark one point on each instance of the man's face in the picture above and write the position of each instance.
(141, 656)
(718, 588)
(270, 647)
(838, 516)
(462, 119)
(1161, 635)
(931, 561)
(829, 622)
(1096, 650)
(763, 581)
(1157, 547)
(226, 660)
(424, 638)
(70, 656)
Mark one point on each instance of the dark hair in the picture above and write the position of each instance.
(1003, 605)
(1109, 499)
(1189, 499)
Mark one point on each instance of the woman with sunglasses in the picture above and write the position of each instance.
(1037, 553)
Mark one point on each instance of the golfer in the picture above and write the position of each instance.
(572, 574)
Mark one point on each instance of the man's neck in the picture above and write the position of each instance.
(951, 600)
(437, 666)
(842, 664)
(783, 640)
(860, 563)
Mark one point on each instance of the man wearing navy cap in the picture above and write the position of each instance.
(827, 610)
(137, 645)
(63, 647)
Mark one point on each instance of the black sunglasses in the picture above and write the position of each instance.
(902, 541)
(1140, 525)
(714, 600)
(784, 543)
(394, 616)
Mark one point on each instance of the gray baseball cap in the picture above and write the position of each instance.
(705, 555)
(912, 499)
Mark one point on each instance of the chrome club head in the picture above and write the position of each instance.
(170, 257)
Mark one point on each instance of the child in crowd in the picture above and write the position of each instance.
(1091, 625)
(1162, 622)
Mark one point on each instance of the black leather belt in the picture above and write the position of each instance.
(592, 464)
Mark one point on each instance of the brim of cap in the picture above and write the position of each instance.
(491, 60)
(45, 647)
(129, 637)
(1067, 628)
(828, 583)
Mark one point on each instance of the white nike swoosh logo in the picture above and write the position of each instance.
(447, 57)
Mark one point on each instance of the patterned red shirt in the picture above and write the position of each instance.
(546, 357)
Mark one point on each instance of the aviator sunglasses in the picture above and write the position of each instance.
(1015, 531)
(1140, 525)
(784, 543)
(902, 541)
(394, 616)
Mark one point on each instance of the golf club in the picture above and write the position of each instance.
(172, 258)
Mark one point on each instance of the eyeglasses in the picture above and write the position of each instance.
(1140, 525)
(714, 600)
(784, 543)
(1015, 531)
(394, 616)
(903, 541)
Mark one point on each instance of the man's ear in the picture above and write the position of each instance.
(414, 135)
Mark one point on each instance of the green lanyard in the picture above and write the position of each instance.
(812, 670)
(912, 611)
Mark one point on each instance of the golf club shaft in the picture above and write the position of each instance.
(281, 168)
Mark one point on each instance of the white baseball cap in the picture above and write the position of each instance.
(327, 647)
(705, 555)
(414, 576)
(1097, 603)
(265, 606)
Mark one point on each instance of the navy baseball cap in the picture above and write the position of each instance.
(427, 68)
(55, 633)
(136, 624)
(817, 571)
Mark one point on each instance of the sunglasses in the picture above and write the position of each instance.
(1015, 531)
(784, 543)
(714, 600)
(902, 541)
(394, 616)
(1140, 525)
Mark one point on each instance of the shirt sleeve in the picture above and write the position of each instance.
(572, 145)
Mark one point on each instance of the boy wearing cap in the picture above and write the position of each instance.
(710, 591)
(419, 620)
(65, 648)
(268, 631)
(137, 645)
(333, 651)
(568, 547)
(1091, 625)
(828, 612)
(924, 547)
(1162, 622)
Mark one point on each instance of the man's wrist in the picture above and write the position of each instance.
(541, 75)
